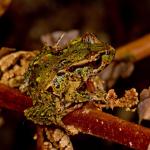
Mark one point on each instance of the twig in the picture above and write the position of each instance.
(138, 49)
(40, 138)
(88, 120)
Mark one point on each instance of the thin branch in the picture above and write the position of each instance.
(139, 49)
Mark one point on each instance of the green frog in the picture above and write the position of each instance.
(60, 80)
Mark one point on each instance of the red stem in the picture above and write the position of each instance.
(13, 99)
(95, 122)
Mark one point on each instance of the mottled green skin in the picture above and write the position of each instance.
(56, 79)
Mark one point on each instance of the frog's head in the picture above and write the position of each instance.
(91, 52)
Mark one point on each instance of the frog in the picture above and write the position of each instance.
(62, 79)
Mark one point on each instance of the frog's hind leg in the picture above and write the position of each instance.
(45, 115)
(40, 114)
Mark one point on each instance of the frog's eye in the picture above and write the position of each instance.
(89, 38)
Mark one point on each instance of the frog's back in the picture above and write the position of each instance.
(41, 72)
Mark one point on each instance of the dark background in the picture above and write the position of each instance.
(115, 21)
(118, 21)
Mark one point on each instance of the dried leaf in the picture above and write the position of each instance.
(144, 106)
(122, 68)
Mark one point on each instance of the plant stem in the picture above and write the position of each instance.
(139, 49)
(95, 122)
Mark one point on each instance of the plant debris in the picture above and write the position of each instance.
(53, 138)
(14, 65)
(117, 69)
(144, 105)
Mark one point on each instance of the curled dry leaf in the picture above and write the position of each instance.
(13, 66)
(121, 68)
(144, 105)
(59, 37)
(4, 5)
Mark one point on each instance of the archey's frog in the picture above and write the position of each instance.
(58, 79)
